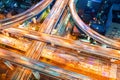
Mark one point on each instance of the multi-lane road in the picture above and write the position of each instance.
(39, 48)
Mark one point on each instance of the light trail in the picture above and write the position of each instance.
(14, 43)
(48, 24)
(64, 42)
(20, 18)
(85, 28)
(38, 66)
(70, 60)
